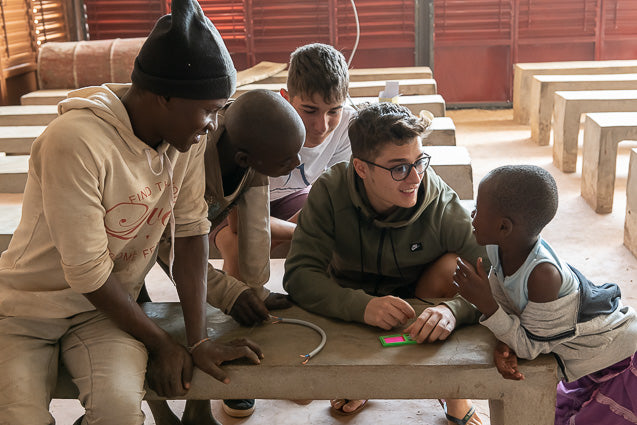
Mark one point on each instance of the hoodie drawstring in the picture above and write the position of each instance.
(169, 168)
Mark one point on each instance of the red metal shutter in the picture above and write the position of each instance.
(619, 29)
(229, 17)
(556, 31)
(108, 19)
(472, 53)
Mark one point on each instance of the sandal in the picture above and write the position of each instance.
(455, 420)
(341, 412)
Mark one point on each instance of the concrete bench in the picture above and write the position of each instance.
(27, 114)
(18, 139)
(10, 212)
(630, 224)
(45, 97)
(443, 132)
(13, 173)
(543, 88)
(453, 165)
(370, 74)
(524, 72)
(433, 103)
(603, 131)
(354, 365)
(569, 106)
(358, 88)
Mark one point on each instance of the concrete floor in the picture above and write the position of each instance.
(591, 242)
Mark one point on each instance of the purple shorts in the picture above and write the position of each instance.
(608, 396)
(283, 208)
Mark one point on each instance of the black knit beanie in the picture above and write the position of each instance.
(184, 56)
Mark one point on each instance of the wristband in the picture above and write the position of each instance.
(194, 346)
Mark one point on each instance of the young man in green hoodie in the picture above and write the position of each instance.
(379, 229)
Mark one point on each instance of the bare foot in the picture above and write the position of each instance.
(460, 408)
(276, 301)
(198, 412)
(162, 413)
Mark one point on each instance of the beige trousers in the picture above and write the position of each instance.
(107, 365)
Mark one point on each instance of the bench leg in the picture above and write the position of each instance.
(528, 408)
(630, 225)
(599, 163)
(565, 133)
(541, 120)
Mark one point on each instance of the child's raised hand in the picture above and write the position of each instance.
(473, 285)
(506, 362)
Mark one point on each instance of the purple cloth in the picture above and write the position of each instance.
(605, 397)
(284, 208)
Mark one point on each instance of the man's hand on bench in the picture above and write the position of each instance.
(210, 355)
(433, 324)
(169, 368)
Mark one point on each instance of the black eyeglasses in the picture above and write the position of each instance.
(401, 172)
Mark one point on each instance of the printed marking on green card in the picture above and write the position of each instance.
(397, 339)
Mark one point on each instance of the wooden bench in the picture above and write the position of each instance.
(354, 365)
(18, 139)
(569, 106)
(524, 72)
(370, 74)
(358, 88)
(27, 114)
(543, 88)
(433, 103)
(603, 131)
(630, 224)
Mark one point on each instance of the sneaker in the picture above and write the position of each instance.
(238, 408)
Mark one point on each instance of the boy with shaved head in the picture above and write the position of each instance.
(258, 136)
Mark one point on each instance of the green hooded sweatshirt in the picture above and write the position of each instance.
(342, 254)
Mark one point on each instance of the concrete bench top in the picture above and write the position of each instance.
(370, 74)
(45, 97)
(18, 139)
(443, 132)
(433, 103)
(544, 87)
(358, 88)
(568, 107)
(614, 119)
(27, 114)
(355, 365)
(13, 173)
(523, 73)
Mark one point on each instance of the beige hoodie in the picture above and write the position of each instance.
(97, 201)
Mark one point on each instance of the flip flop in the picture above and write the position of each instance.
(455, 420)
(353, 412)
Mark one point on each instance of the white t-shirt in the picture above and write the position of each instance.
(314, 161)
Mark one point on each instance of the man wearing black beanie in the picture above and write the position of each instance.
(119, 166)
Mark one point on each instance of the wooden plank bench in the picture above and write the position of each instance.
(27, 114)
(543, 88)
(358, 88)
(354, 365)
(433, 103)
(603, 131)
(18, 139)
(569, 106)
(524, 72)
(630, 223)
(370, 74)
